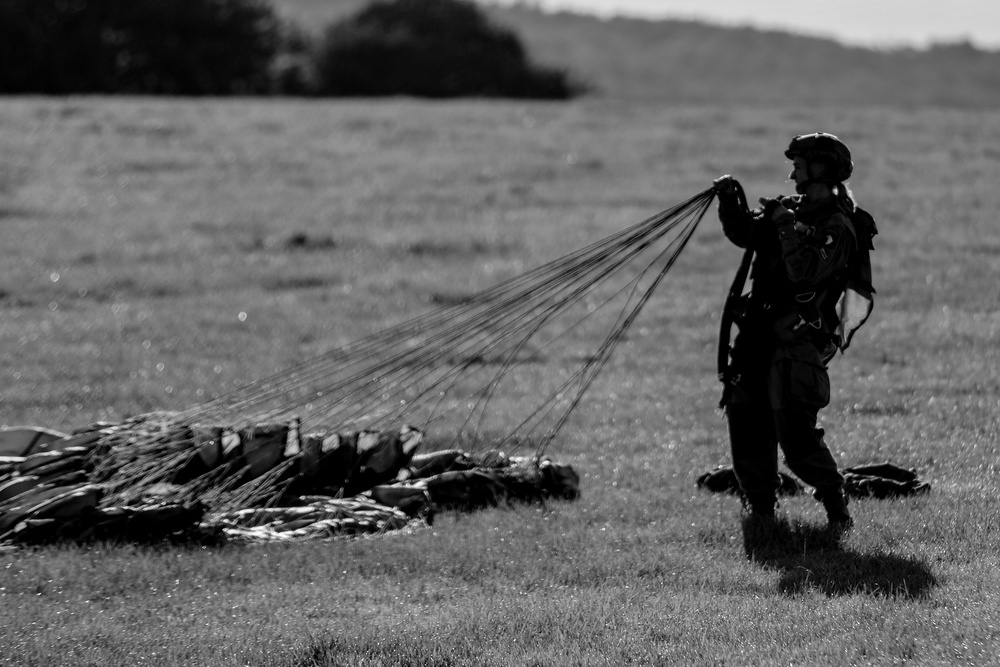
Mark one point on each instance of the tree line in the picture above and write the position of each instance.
(425, 48)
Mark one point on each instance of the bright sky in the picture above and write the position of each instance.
(856, 22)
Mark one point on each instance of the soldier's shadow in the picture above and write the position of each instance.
(814, 558)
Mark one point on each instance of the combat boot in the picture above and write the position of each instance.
(837, 516)
(760, 508)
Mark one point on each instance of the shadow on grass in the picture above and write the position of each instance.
(347, 653)
(814, 558)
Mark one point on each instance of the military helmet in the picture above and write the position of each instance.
(826, 149)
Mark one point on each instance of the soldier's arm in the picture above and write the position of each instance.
(737, 223)
(734, 213)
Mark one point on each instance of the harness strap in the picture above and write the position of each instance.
(729, 313)
(729, 308)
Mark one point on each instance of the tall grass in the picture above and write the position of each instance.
(157, 253)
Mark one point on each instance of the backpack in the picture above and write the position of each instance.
(857, 300)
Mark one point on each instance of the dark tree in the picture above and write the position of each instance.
(181, 47)
(430, 48)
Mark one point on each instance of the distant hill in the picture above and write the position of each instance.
(684, 61)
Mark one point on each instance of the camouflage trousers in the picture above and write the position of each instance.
(774, 402)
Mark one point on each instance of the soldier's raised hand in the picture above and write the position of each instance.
(725, 185)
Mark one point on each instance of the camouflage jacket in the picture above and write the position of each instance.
(799, 268)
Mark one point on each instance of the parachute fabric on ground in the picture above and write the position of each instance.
(353, 418)
(873, 480)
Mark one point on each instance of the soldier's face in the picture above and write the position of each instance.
(799, 174)
(800, 171)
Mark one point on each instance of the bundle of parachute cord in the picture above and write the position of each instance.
(371, 436)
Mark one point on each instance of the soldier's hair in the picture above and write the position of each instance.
(845, 198)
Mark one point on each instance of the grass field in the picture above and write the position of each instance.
(156, 253)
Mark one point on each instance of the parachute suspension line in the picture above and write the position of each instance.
(372, 345)
(586, 375)
(344, 359)
(454, 361)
